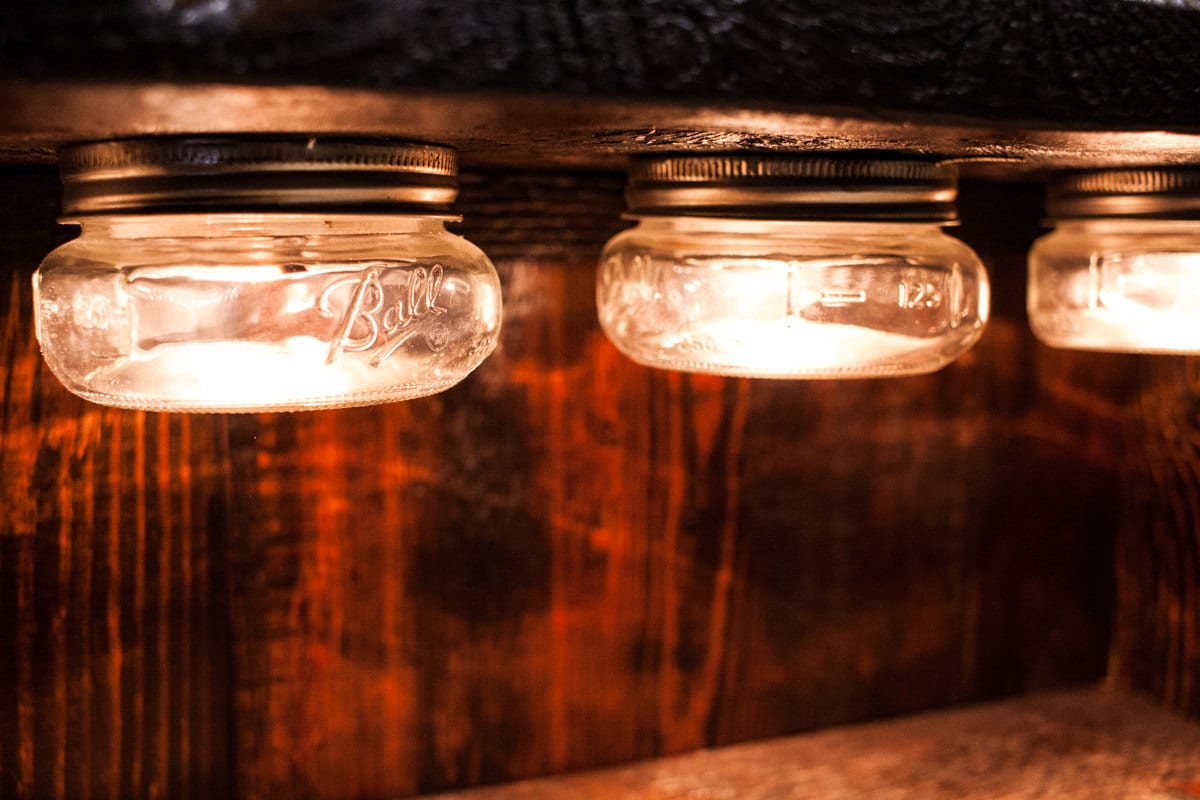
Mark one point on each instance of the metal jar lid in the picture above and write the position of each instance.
(1150, 192)
(792, 186)
(257, 173)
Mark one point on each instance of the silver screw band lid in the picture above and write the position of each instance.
(792, 186)
(1150, 192)
(257, 173)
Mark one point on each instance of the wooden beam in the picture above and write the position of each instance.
(540, 131)
(1079, 62)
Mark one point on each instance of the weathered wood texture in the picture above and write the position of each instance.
(116, 676)
(566, 562)
(1087, 745)
(1079, 62)
(1156, 645)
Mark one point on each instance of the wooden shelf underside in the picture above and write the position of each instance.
(1083, 744)
(552, 131)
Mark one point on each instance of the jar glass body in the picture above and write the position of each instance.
(267, 311)
(791, 299)
(1117, 285)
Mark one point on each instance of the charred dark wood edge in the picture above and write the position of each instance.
(1098, 61)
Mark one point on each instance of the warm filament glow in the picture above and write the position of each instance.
(247, 375)
(786, 346)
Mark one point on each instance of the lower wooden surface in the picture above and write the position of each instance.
(566, 562)
(1089, 745)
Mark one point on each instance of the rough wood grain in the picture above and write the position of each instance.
(116, 679)
(1088, 745)
(1156, 646)
(566, 562)
(1079, 62)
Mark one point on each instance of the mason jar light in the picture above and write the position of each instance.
(791, 266)
(1121, 269)
(260, 273)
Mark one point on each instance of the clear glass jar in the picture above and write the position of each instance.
(1103, 280)
(791, 298)
(268, 312)
(263, 311)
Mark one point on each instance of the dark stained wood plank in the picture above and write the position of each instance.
(1078, 62)
(1156, 645)
(535, 132)
(1089, 745)
(116, 680)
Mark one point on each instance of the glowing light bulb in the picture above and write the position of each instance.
(1121, 270)
(261, 273)
(791, 267)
